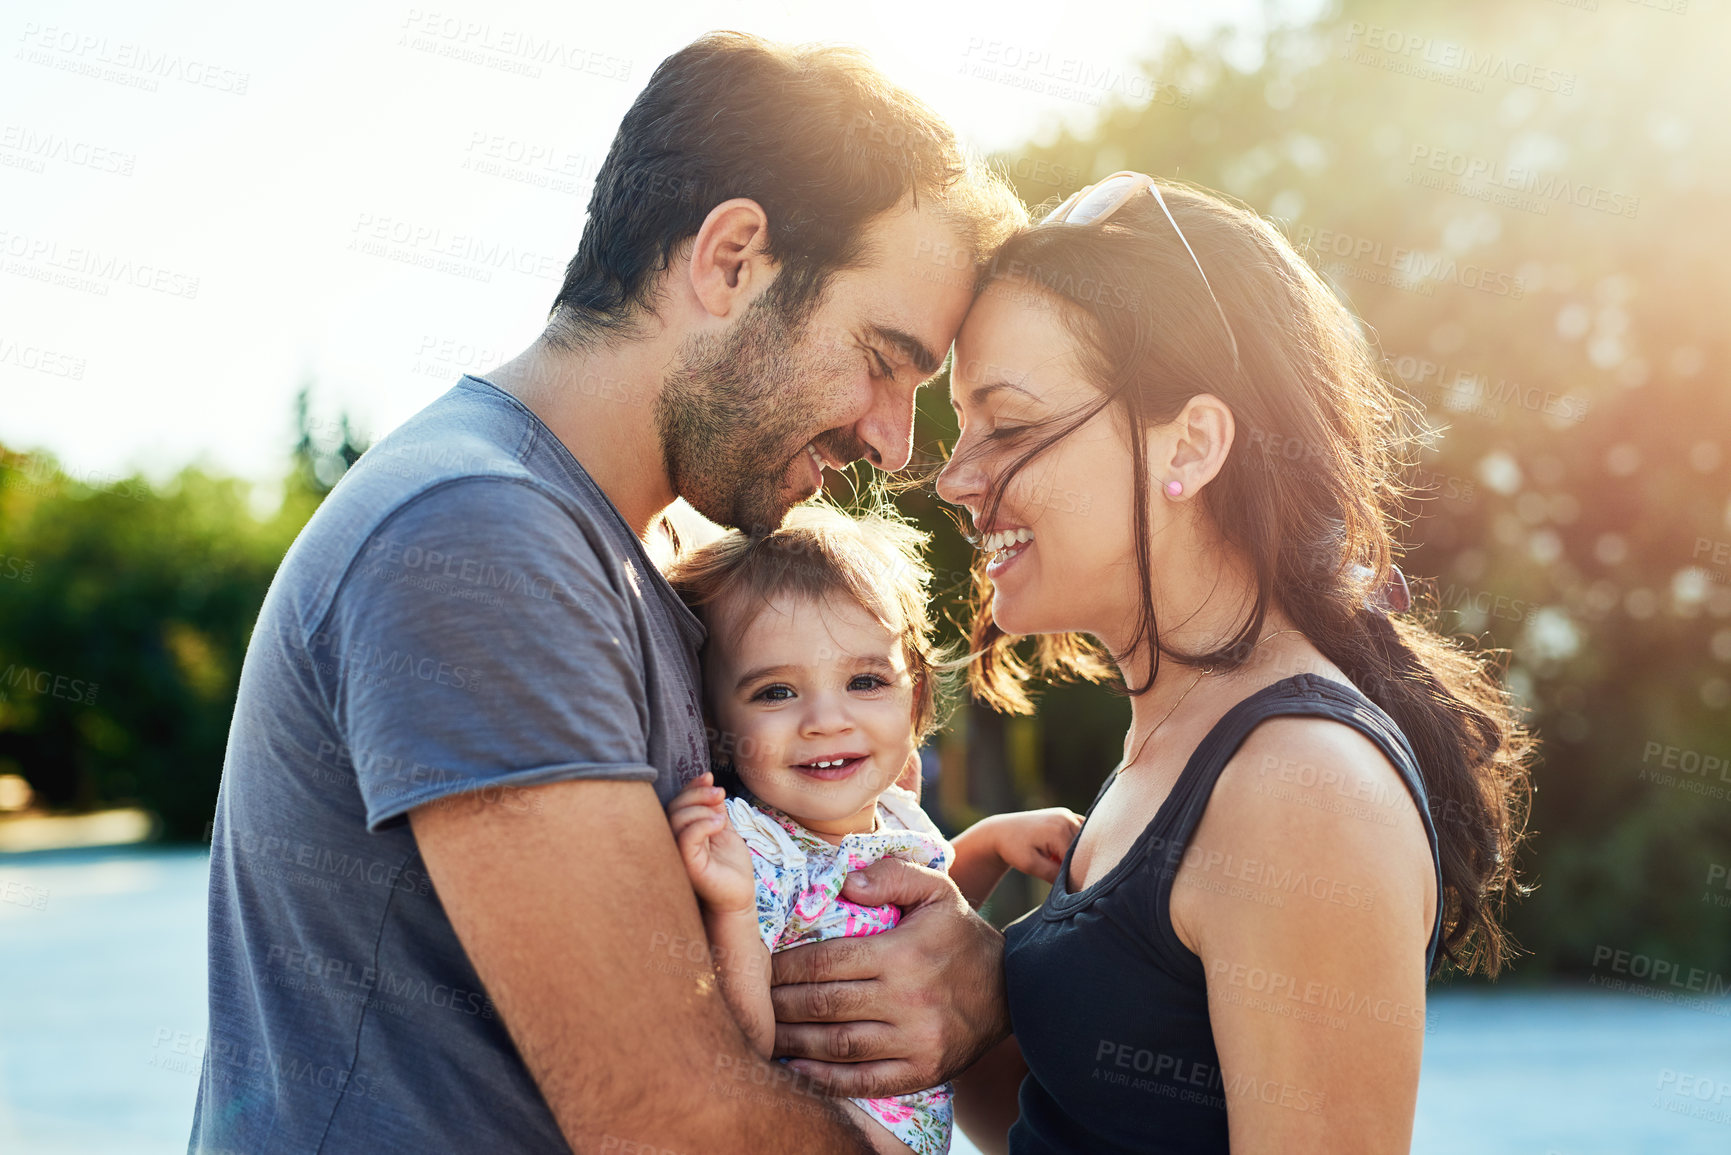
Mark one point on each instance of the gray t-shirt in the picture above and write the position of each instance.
(466, 612)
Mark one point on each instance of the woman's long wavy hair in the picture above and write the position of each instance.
(1310, 493)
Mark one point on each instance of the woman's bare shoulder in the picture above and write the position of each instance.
(1308, 811)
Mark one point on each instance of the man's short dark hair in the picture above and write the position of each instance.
(814, 134)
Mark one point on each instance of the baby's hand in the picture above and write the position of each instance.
(716, 857)
(1035, 841)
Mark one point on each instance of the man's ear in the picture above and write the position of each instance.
(729, 257)
(1192, 447)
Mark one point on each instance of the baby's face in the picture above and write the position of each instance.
(810, 682)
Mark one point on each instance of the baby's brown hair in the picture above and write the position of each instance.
(874, 558)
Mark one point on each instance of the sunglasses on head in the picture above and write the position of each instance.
(1098, 201)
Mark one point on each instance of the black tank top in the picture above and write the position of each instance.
(1109, 1006)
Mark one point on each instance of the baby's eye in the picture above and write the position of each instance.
(775, 693)
(867, 682)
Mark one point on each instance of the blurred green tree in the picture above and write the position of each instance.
(125, 619)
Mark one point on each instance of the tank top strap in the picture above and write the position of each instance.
(1306, 695)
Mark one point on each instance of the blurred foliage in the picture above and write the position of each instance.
(124, 616)
(1581, 460)
(1580, 481)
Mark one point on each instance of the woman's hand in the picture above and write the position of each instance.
(1035, 841)
(716, 857)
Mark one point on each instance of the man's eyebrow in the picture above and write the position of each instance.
(910, 346)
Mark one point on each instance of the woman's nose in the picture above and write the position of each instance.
(960, 482)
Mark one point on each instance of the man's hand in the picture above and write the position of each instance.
(900, 1011)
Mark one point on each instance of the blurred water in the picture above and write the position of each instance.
(102, 999)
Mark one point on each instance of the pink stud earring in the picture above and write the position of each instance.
(1174, 489)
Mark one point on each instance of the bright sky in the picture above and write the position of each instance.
(203, 205)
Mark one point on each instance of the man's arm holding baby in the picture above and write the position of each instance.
(557, 905)
(532, 804)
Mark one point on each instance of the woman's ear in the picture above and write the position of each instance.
(1190, 449)
(729, 257)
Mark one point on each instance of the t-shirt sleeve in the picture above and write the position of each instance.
(477, 643)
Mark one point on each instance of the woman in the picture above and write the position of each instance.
(1182, 469)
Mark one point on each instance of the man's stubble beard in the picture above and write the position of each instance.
(730, 417)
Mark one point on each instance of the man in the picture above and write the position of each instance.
(446, 912)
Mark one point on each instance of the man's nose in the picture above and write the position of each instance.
(887, 429)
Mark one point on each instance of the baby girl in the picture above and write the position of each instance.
(821, 676)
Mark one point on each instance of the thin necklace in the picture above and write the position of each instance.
(1206, 670)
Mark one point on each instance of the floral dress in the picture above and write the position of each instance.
(799, 878)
